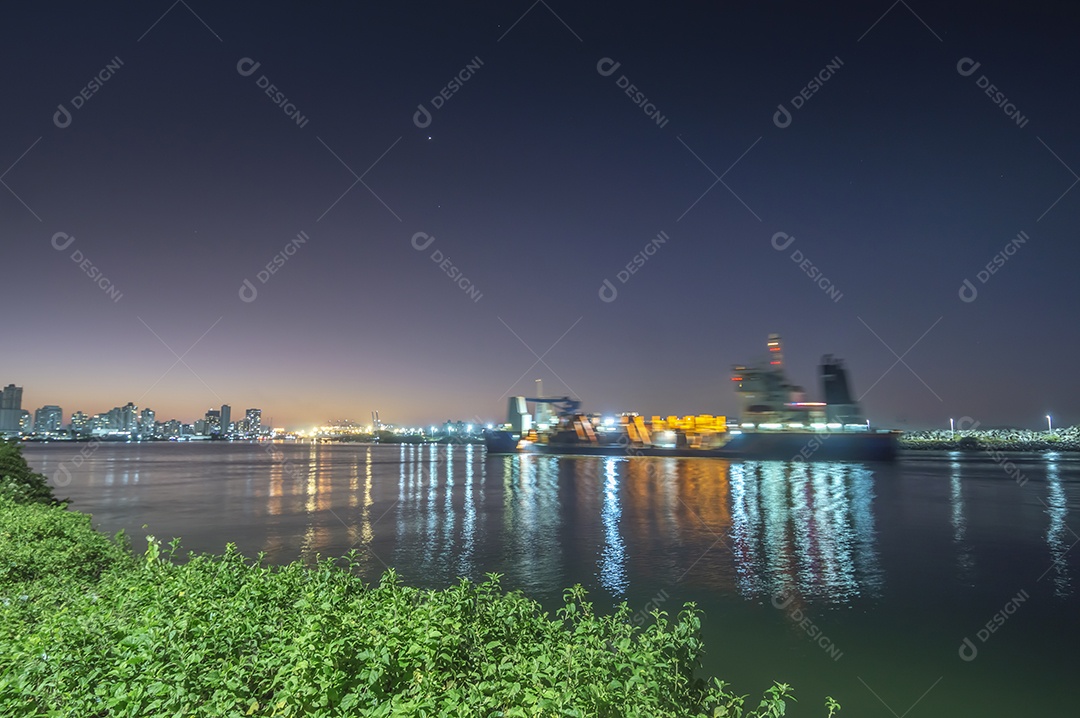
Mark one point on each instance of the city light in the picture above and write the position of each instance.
(1049, 425)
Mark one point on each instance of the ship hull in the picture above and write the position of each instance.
(779, 446)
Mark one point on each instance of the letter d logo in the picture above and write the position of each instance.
(607, 67)
(781, 118)
(422, 236)
(61, 118)
(968, 651)
(64, 480)
(246, 66)
(608, 292)
(782, 601)
(968, 292)
(61, 236)
(421, 118)
(248, 292)
(782, 235)
(967, 67)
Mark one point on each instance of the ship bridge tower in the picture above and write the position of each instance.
(776, 352)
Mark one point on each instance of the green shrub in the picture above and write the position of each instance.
(17, 481)
(227, 636)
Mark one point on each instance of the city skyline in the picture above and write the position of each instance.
(331, 210)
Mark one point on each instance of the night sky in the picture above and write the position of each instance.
(539, 178)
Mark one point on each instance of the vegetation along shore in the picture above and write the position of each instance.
(87, 629)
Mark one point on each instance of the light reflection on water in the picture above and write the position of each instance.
(1058, 536)
(613, 557)
(749, 529)
(881, 559)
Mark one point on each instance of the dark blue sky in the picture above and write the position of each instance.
(539, 178)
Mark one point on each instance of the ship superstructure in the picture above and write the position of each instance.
(776, 421)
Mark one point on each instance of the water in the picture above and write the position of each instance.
(859, 581)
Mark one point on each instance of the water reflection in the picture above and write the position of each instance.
(804, 530)
(613, 557)
(532, 522)
(619, 525)
(1056, 538)
(965, 559)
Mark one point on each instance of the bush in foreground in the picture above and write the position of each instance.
(108, 635)
(18, 481)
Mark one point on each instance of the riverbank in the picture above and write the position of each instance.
(1065, 439)
(87, 628)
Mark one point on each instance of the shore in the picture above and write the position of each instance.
(1065, 439)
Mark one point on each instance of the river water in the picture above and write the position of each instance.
(941, 585)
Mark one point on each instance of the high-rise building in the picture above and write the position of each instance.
(10, 409)
(147, 423)
(129, 418)
(80, 423)
(24, 421)
(253, 419)
(48, 418)
(211, 423)
(226, 419)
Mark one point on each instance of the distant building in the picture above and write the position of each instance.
(211, 423)
(147, 423)
(49, 418)
(253, 421)
(10, 409)
(226, 419)
(80, 423)
(25, 421)
(129, 418)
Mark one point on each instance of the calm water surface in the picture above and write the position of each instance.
(858, 580)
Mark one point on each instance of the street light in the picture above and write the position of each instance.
(1049, 426)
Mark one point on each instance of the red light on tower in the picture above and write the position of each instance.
(776, 355)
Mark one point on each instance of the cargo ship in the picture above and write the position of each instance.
(776, 423)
